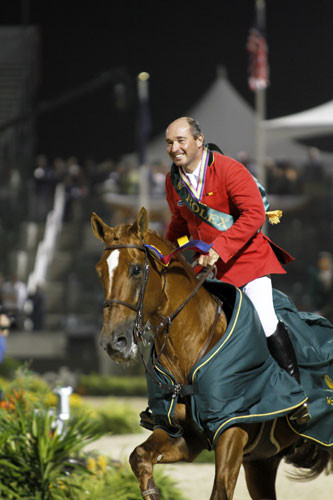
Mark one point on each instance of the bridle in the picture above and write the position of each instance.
(166, 321)
(139, 328)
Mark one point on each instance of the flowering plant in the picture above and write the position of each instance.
(36, 461)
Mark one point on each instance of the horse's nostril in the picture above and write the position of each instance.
(121, 342)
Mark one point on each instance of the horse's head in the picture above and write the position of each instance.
(123, 271)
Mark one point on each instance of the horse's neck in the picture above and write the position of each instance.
(190, 328)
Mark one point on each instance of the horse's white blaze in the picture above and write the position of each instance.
(112, 262)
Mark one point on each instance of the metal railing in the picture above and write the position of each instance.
(46, 247)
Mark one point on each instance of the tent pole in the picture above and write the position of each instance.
(260, 101)
(144, 124)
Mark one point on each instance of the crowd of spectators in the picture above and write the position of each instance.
(85, 182)
(320, 285)
(25, 310)
(287, 177)
(82, 179)
(13, 294)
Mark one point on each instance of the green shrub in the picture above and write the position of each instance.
(27, 380)
(114, 418)
(38, 463)
(9, 366)
(118, 419)
(107, 385)
(118, 482)
(206, 457)
(34, 456)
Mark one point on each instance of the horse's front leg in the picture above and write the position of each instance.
(160, 448)
(228, 460)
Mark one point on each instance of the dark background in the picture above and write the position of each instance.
(180, 44)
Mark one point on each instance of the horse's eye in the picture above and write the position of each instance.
(136, 270)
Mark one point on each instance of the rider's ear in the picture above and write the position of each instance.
(101, 230)
(140, 226)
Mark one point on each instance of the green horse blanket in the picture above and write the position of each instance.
(238, 381)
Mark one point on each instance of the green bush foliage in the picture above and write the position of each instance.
(117, 482)
(107, 385)
(113, 418)
(39, 463)
(9, 366)
(34, 456)
(206, 457)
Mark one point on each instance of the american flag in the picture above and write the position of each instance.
(258, 64)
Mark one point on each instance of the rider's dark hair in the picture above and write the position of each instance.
(195, 127)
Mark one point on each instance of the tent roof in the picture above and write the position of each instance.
(310, 123)
(225, 118)
(230, 122)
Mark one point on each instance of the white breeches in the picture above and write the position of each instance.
(260, 293)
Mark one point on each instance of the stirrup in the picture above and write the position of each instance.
(301, 415)
(146, 419)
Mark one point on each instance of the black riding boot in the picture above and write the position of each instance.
(282, 350)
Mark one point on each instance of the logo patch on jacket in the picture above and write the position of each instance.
(180, 203)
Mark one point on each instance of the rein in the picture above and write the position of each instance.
(139, 328)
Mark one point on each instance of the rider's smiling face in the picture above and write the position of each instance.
(184, 150)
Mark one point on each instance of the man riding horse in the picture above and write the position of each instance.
(214, 198)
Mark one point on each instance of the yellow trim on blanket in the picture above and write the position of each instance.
(274, 441)
(307, 437)
(228, 337)
(163, 373)
(171, 405)
(173, 399)
(258, 415)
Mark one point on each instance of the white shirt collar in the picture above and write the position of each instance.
(193, 176)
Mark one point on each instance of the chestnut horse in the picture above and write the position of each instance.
(185, 326)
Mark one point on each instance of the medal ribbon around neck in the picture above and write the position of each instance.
(197, 191)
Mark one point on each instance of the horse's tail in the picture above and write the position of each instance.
(306, 454)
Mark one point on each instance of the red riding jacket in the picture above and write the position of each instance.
(245, 252)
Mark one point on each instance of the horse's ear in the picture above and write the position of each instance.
(102, 231)
(140, 226)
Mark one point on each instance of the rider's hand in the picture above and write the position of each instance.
(208, 260)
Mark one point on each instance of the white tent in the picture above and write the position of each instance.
(229, 121)
(310, 123)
